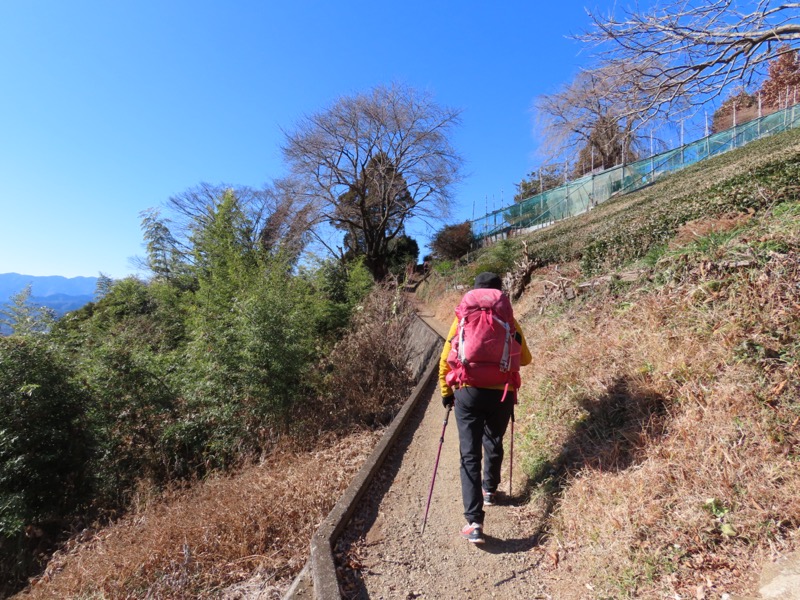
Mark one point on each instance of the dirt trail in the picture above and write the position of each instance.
(388, 556)
(383, 555)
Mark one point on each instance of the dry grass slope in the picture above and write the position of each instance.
(661, 426)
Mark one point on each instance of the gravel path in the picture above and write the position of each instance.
(384, 555)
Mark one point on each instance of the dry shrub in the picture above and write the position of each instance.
(671, 422)
(197, 543)
(697, 228)
(368, 377)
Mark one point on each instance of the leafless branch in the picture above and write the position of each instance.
(692, 49)
(374, 160)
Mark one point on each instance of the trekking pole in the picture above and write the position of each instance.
(511, 456)
(435, 467)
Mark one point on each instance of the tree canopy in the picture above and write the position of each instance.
(372, 161)
(453, 241)
(595, 120)
(777, 91)
(783, 78)
(536, 182)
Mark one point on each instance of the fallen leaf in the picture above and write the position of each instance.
(776, 391)
(700, 593)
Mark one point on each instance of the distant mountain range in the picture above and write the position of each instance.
(42, 287)
(62, 294)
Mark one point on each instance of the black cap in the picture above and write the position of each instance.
(488, 280)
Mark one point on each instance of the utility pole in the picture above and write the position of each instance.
(759, 115)
(681, 142)
(494, 212)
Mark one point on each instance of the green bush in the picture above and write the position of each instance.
(341, 285)
(127, 351)
(43, 441)
(498, 258)
(443, 267)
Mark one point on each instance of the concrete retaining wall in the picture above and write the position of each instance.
(318, 579)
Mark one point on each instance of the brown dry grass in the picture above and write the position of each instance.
(698, 228)
(196, 543)
(643, 406)
(368, 378)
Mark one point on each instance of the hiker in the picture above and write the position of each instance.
(483, 392)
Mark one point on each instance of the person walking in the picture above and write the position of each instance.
(479, 378)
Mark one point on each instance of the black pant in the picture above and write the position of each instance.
(482, 420)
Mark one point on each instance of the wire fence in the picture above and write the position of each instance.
(581, 195)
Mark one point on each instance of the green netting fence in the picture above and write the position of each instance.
(582, 194)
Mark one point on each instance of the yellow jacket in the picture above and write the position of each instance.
(444, 368)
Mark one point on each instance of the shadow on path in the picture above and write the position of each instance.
(611, 437)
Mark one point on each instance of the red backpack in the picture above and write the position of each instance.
(485, 351)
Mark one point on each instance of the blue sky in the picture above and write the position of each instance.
(111, 107)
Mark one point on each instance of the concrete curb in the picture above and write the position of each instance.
(423, 345)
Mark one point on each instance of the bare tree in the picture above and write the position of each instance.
(689, 50)
(596, 118)
(372, 161)
(285, 220)
(278, 213)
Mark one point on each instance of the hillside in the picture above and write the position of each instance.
(42, 287)
(656, 449)
(61, 294)
(659, 436)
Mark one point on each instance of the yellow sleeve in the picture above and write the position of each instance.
(444, 368)
(525, 357)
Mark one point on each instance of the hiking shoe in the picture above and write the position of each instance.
(473, 533)
(489, 498)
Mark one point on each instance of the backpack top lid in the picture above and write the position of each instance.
(486, 299)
